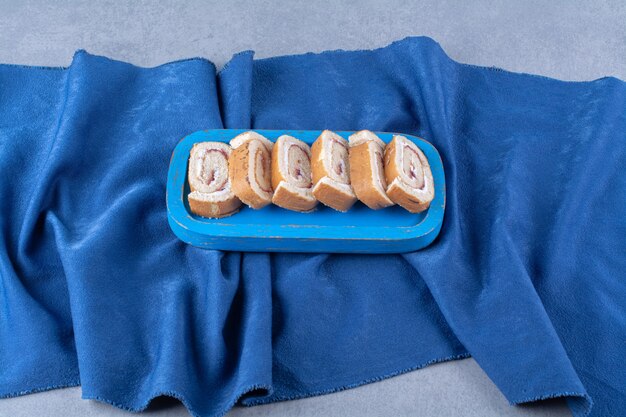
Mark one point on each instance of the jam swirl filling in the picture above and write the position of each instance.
(212, 170)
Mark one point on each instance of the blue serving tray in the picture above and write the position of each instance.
(273, 229)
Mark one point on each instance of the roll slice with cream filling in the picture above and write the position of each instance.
(331, 171)
(367, 173)
(211, 194)
(249, 169)
(291, 175)
(408, 174)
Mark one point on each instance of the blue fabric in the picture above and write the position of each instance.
(528, 274)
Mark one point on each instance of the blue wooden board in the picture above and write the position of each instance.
(273, 229)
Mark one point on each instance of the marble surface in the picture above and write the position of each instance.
(562, 39)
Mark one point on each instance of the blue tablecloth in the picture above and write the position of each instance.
(528, 275)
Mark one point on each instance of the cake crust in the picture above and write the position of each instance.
(333, 189)
(366, 166)
(214, 209)
(286, 194)
(414, 200)
(239, 163)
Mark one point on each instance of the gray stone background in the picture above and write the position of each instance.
(563, 39)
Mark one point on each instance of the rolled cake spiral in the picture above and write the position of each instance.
(291, 174)
(366, 169)
(211, 194)
(331, 171)
(408, 174)
(249, 169)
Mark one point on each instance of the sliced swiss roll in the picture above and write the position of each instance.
(408, 175)
(331, 171)
(291, 174)
(211, 194)
(366, 169)
(249, 169)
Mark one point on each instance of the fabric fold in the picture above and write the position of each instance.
(234, 83)
(195, 332)
(37, 350)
